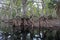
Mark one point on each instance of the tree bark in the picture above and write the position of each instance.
(24, 4)
(58, 10)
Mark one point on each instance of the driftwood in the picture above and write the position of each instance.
(49, 23)
(41, 23)
(52, 24)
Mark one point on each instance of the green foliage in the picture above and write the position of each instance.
(14, 13)
(52, 4)
(18, 2)
(49, 6)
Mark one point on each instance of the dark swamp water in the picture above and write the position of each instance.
(8, 36)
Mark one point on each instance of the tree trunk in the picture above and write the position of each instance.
(58, 10)
(42, 8)
(11, 2)
(24, 4)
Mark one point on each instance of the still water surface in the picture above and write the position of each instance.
(2, 36)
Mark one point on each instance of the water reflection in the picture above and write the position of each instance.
(8, 37)
(36, 39)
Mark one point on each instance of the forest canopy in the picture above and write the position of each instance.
(37, 8)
